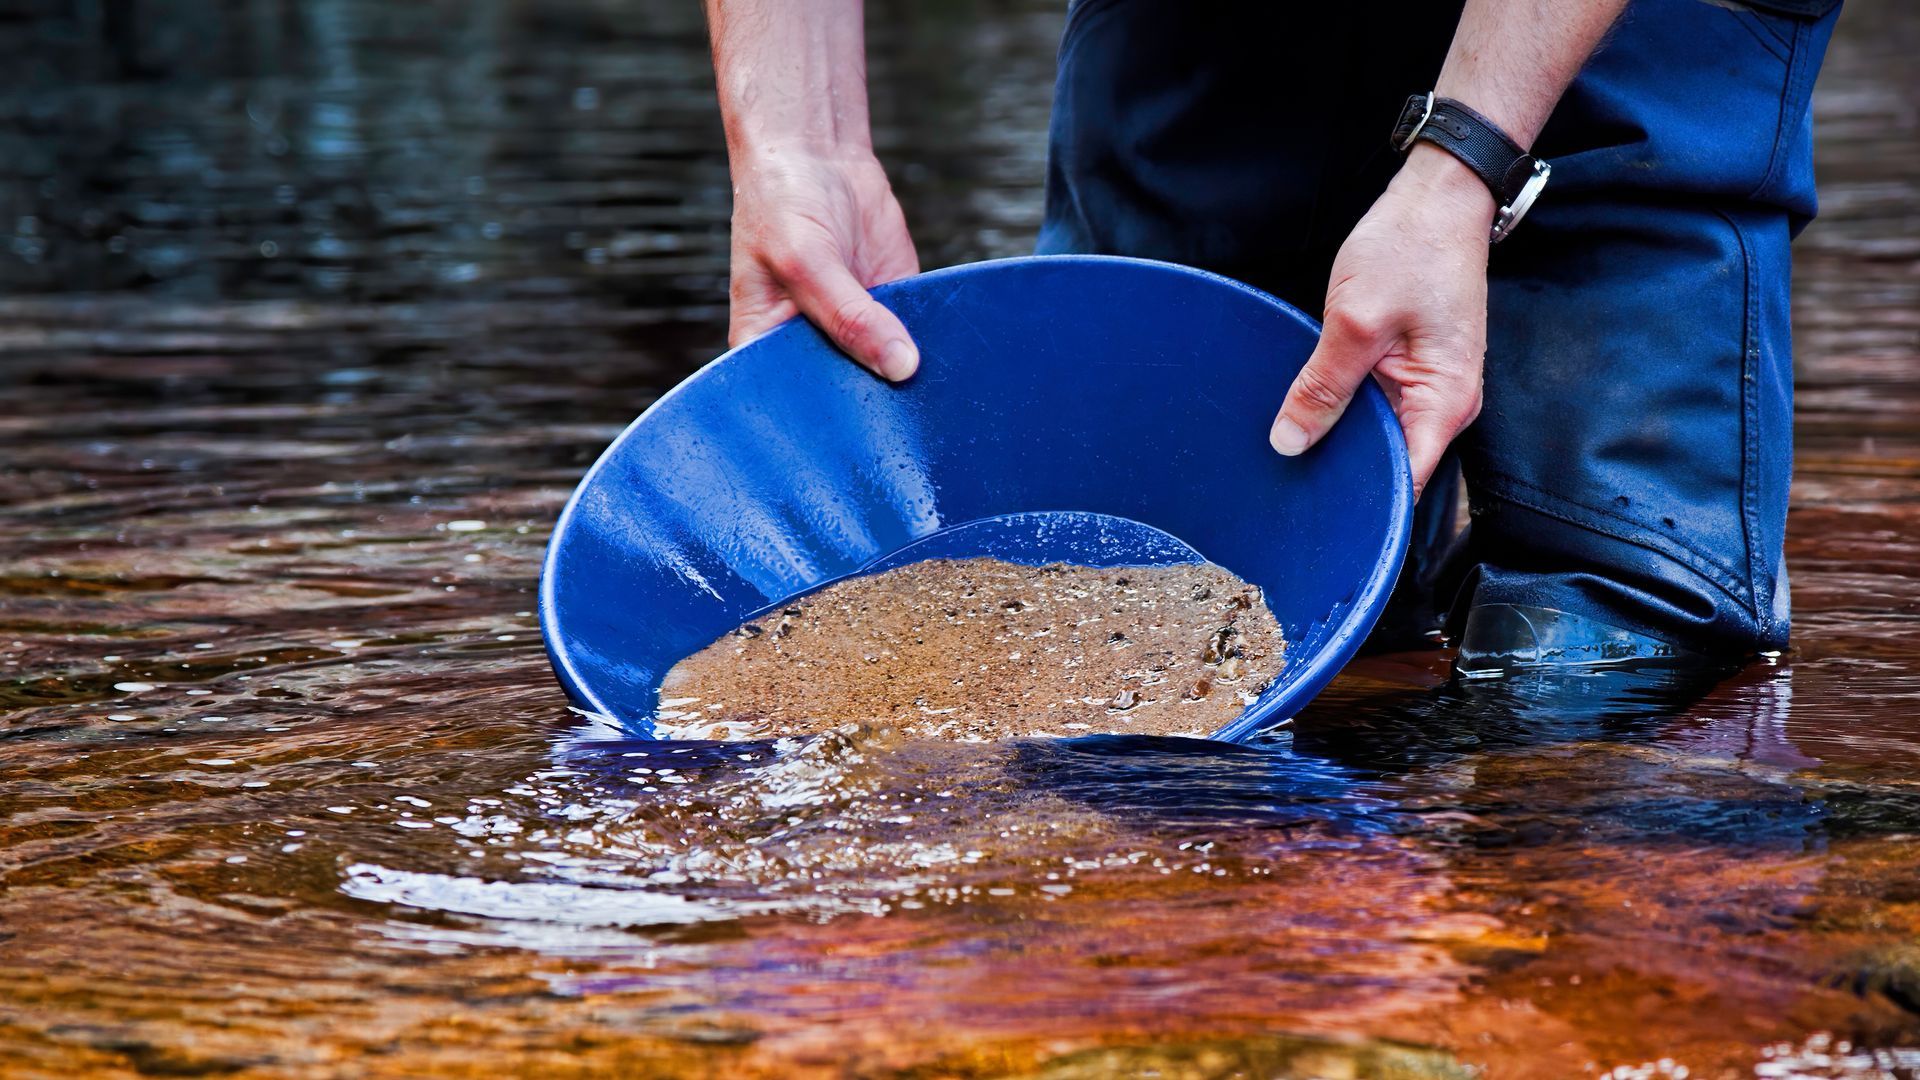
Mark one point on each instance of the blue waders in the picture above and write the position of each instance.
(1631, 462)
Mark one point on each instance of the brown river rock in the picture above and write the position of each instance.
(984, 649)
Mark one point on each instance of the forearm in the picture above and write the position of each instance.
(792, 76)
(1510, 61)
(815, 223)
(1407, 299)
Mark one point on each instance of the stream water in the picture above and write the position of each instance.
(312, 315)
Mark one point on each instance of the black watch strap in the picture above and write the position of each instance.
(1514, 176)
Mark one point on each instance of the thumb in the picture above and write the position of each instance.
(827, 293)
(1349, 348)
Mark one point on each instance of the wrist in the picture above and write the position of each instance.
(1445, 185)
(1517, 117)
(751, 150)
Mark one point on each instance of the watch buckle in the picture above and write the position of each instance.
(1413, 133)
(1505, 218)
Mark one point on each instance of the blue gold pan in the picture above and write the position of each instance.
(1085, 409)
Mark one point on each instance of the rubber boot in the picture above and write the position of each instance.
(1507, 639)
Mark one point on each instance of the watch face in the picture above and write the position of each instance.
(1508, 216)
(1531, 190)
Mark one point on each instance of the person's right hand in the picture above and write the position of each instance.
(811, 233)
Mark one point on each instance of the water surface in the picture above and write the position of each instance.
(314, 313)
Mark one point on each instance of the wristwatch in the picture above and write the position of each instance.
(1514, 176)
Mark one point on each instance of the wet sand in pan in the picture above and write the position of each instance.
(984, 649)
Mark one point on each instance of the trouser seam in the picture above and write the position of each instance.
(1750, 433)
(1754, 23)
(1789, 94)
(1512, 489)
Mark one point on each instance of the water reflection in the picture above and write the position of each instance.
(383, 152)
(313, 314)
(859, 821)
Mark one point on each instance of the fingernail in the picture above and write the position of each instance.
(1288, 437)
(898, 360)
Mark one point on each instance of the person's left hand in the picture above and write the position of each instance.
(1407, 302)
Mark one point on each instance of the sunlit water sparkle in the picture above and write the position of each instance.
(313, 316)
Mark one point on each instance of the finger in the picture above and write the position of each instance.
(1430, 432)
(748, 321)
(828, 294)
(1349, 348)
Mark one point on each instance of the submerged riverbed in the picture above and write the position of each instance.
(313, 314)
